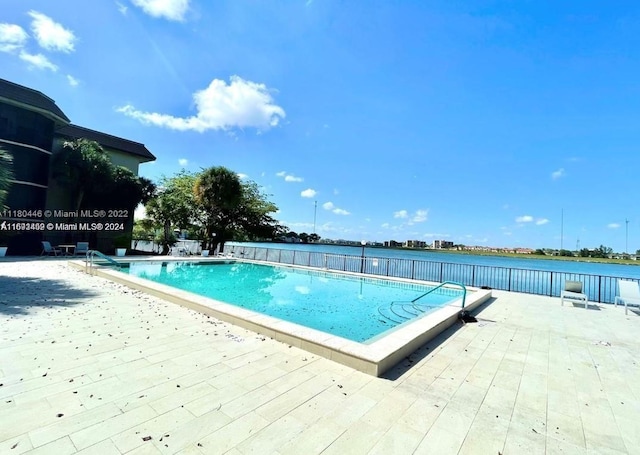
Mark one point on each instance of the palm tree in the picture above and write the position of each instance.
(218, 191)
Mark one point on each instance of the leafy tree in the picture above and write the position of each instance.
(314, 237)
(304, 237)
(584, 253)
(6, 175)
(601, 252)
(251, 218)
(539, 252)
(566, 253)
(173, 205)
(215, 206)
(148, 189)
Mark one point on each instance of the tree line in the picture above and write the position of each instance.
(213, 206)
(600, 252)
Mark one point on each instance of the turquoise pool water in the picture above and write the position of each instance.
(355, 308)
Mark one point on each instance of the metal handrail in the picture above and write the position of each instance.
(454, 283)
(417, 307)
(89, 260)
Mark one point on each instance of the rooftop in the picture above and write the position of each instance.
(91, 365)
(15, 93)
(107, 140)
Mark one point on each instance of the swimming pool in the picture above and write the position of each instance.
(375, 356)
(355, 308)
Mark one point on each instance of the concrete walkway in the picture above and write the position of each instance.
(88, 366)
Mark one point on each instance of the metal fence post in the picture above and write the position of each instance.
(413, 266)
(509, 285)
(599, 288)
(441, 268)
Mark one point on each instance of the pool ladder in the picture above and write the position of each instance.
(88, 265)
(400, 311)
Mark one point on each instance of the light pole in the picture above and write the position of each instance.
(363, 243)
(315, 212)
(626, 237)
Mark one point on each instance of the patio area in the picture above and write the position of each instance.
(90, 366)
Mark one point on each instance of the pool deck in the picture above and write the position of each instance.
(90, 366)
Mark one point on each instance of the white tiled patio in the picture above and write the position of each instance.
(88, 366)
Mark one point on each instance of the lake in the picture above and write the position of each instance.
(579, 267)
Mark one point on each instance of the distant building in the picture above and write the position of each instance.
(392, 244)
(440, 244)
(415, 244)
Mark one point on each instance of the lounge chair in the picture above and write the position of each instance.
(629, 294)
(178, 250)
(49, 250)
(573, 292)
(81, 248)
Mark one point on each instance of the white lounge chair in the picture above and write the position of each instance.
(573, 292)
(178, 250)
(629, 294)
(49, 250)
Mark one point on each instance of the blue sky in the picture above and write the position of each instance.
(478, 122)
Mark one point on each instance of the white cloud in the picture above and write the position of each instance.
(241, 104)
(385, 225)
(613, 225)
(73, 82)
(173, 10)
(524, 219)
(541, 221)
(420, 216)
(12, 37)
(51, 35)
(308, 193)
(242, 176)
(555, 175)
(334, 209)
(437, 235)
(122, 8)
(400, 214)
(336, 192)
(505, 207)
(183, 162)
(289, 177)
(38, 61)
